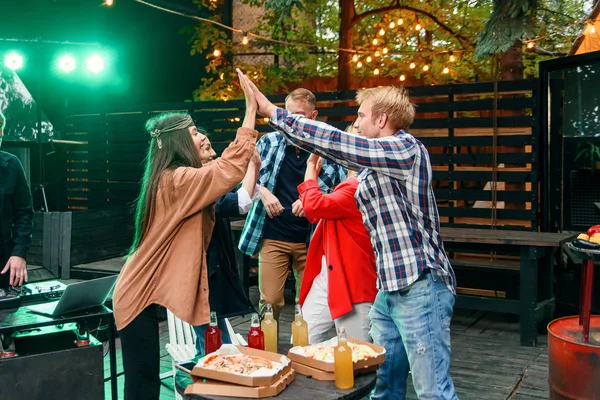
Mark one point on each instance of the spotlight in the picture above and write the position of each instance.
(95, 64)
(66, 63)
(13, 61)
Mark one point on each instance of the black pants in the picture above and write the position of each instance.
(141, 356)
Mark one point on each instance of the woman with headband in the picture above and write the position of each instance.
(174, 220)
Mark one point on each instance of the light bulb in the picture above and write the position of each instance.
(381, 32)
(425, 67)
(358, 64)
(446, 70)
(355, 58)
(377, 54)
(418, 27)
(412, 65)
(400, 21)
(245, 39)
(530, 45)
(452, 58)
(369, 59)
(593, 29)
(402, 78)
(216, 53)
(385, 50)
(376, 71)
(392, 25)
(375, 41)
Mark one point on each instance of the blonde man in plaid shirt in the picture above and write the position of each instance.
(412, 312)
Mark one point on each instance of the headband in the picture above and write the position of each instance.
(186, 122)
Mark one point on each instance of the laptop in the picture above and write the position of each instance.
(78, 296)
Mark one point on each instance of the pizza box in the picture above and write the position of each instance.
(202, 386)
(325, 366)
(324, 375)
(245, 380)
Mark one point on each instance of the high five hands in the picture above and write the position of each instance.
(263, 106)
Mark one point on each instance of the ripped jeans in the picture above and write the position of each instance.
(413, 325)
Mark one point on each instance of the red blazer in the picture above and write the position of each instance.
(343, 239)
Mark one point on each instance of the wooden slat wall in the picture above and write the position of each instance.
(455, 122)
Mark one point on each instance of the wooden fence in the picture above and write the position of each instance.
(484, 148)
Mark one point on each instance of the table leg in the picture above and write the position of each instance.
(112, 334)
(584, 267)
(528, 296)
(587, 299)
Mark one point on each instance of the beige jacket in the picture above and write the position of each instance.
(169, 267)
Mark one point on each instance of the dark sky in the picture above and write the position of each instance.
(147, 57)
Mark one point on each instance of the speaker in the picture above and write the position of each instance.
(50, 366)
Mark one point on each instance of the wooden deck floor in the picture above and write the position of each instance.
(487, 361)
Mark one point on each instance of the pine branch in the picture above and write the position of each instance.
(464, 42)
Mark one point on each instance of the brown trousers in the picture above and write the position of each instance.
(273, 265)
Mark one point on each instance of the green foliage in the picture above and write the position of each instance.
(457, 28)
(589, 152)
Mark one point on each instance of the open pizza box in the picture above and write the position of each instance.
(281, 365)
(323, 370)
(202, 386)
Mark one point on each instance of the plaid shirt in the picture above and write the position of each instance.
(394, 195)
(271, 148)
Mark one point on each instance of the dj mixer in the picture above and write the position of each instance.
(31, 293)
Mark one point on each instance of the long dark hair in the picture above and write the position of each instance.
(177, 150)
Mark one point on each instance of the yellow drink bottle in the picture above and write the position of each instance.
(269, 328)
(343, 368)
(299, 329)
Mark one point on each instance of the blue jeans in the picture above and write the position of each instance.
(225, 338)
(413, 325)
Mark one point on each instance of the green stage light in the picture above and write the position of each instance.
(67, 63)
(13, 61)
(95, 64)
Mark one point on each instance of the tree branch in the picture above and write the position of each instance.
(464, 42)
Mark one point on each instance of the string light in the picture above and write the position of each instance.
(109, 2)
(530, 45)
(217, 53)
(425, 67)
(376, 71)
(452, 58)
(418, 27)
(385, 50)
(358, 64)
(392, 25)
(402, 78)
(245, 38)
(222, 76)
(412, 65)
(355, 58)
(381, 32)
(377, 54)
(369, 59)
(446, 70)
(400, 21)
(375, 41)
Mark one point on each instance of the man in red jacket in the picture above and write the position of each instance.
(339, 284)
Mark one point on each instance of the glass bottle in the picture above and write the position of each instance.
(343, 367)
(256, 337)
(212, 335)
(269, 328)
(299, 329)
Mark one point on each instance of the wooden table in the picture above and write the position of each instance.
(532, 305)
(302, 388)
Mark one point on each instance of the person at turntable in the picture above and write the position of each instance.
(16, 218)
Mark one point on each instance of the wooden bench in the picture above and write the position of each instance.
(536, 291)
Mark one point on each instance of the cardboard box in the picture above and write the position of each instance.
(215, 388)
(238, 379)
(328, 366)
(326, 376)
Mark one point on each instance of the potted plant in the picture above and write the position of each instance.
(589, 152)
